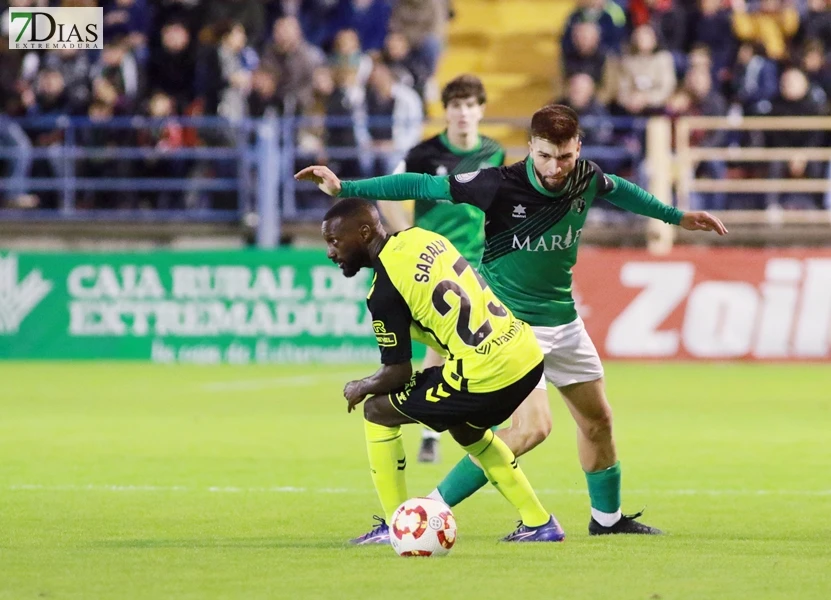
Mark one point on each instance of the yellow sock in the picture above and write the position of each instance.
(502, 470)
(387, 462)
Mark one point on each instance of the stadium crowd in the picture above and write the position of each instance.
(370, 66)
(642, 58)
(362, 61)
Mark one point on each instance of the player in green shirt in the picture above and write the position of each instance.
(535, 212)
(458, 149)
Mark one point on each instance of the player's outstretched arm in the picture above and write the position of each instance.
(702, 221)
(635, 199)
(404, 186)
(325, 179)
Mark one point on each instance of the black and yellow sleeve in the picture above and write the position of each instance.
(391, 318)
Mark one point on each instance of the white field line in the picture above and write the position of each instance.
(368, 490)
(241, 385)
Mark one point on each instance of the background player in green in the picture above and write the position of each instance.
(536, 210)
(424, 289)
(458, 149)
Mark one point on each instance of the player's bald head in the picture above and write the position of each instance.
(352, 230)
(353, 211)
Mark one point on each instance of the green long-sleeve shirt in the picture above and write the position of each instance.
(531, 233)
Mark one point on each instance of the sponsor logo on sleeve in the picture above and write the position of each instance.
(385, 338)
(465, 177)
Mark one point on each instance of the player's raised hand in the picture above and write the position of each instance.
(353, 392)
(327, 181)
(702, 221)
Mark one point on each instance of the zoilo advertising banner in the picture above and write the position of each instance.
(698, 303)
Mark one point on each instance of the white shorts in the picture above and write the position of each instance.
(570, 355)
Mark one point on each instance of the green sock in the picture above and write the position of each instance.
(464, 480)
(604, 489)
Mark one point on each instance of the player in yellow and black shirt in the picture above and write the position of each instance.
(425, 290)
(460, 148)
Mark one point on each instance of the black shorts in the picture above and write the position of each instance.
(430, 400)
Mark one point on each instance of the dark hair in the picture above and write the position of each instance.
(100, 104)
(555, 123)
(813, 45)
(463, 86)
(350, 207)
(225, 27)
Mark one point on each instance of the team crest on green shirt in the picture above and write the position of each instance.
(578, 205)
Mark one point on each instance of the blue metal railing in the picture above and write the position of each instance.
(77, 144)
(250, 162)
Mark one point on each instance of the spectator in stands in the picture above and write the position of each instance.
(647, 76)
(316, 18)
(249, 13)
(17, 166)
(75, 67)
(224, 73)
(773, 25)
(131, 19)
(101, 165)
(598, 129)
(162, 136)
(12, 135)
(698, 97)
(712, 26)
(423, 23)
(395, 119)
(699, 57)
(263, 100)
(347, 53)
(582, 99)
(755, 80)
(369, 18)
(294, 60)
(669, 20)
(816, 23)
(795, 100)
(817, 66)
(345, 131)
(707, 101)
(11, 73)
(607, 15)
(589, 58)
(189, 13)
(172, 65)
(407, 68)
(49, 99)
(115, 77)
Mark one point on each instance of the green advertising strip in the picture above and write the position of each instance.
(241, 307)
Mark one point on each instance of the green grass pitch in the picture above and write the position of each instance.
(124, 481)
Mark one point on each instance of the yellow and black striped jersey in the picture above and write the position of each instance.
(425, 290)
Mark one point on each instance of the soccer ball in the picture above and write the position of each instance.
(423, 527)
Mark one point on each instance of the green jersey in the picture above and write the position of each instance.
(532, 234)
(462, 224)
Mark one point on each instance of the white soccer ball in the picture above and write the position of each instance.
(423, 527)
